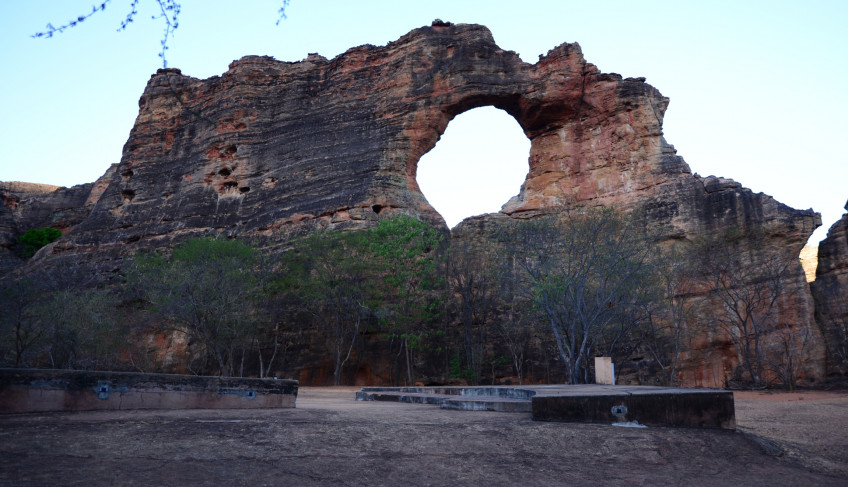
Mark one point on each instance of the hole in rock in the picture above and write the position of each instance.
(478, 164)
(224, 172)
(127, 195)
(244, 189)
(376, 208)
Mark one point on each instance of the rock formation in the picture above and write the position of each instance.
(26, 206)
(270, 146)
(830, 290)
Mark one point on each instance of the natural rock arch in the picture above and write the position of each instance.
(270, 146)
(337, 142)
(478, 164)
(594, 136)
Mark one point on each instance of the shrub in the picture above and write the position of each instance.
(35, 238)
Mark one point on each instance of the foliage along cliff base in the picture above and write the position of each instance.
(271, 150)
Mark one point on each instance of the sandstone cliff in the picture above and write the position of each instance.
(270, 146)
(830, 290)
(26, 206)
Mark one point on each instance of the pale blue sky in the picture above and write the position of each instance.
(757, 88)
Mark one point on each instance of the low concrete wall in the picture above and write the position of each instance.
(589, 403)
(508, 392)
(693, 408)
(34, 390)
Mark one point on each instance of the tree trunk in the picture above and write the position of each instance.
(408, 364)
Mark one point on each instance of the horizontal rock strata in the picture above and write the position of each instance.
(26, 206)
(830, 290)
(269, 147)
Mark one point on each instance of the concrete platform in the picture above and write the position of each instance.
(41, 390)
(625, 405)
(460, 398)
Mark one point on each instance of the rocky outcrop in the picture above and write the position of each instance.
(269, 147)
(26, 206)
(830, 290)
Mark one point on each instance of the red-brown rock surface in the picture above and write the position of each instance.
(269, 145)
(24, 206)
(830, 290)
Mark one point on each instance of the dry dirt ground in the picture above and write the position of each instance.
(330, 439)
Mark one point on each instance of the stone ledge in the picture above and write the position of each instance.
(41, 390)
(691, 408)
(587, 403)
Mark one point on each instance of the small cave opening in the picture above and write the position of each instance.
(225, 172)
(244, 189)
(376, 208)
(127, 195)
(479, 163)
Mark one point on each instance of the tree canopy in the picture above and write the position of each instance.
(585, 271)
(35, 238)
(208, 288)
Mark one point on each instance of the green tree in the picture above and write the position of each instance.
(35, 238)
(208, 289)
(405, 253)
(327, 273)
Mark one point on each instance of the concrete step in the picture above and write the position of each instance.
(593, 403)
(503, 405)
(400, 396)
(508, 392)
(456, 398)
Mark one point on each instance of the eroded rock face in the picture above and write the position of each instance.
(270, 146)
(27, 206)
(830, 290)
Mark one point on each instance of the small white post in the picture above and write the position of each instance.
(604, 371)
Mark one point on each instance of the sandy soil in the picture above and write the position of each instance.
(809, 426)
(330, 439)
